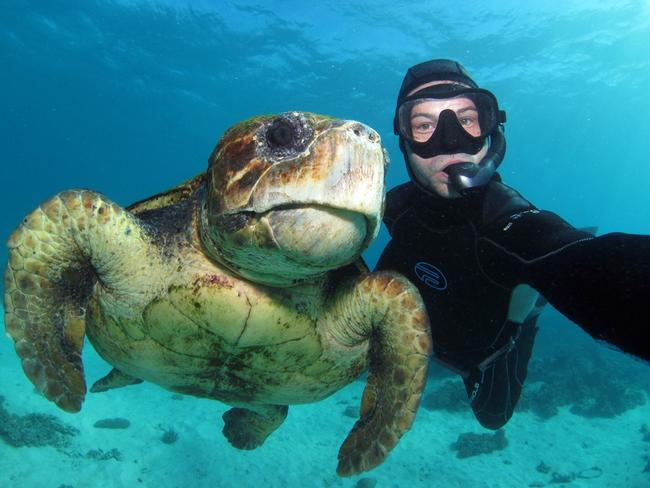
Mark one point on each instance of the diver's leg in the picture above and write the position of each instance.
(248, 428)
(495, 389)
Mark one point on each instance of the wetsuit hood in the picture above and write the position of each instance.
(434, 70)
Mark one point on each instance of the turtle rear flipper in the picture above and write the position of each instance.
(248, 428)
(56, 257)
(114, 379)
(386, 309)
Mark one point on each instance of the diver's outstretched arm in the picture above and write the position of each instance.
(603, 285)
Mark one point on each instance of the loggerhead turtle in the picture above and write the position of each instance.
(238, 285)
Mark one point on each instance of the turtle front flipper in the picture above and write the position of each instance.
(56, 257)
(386, 309)
(248, 428)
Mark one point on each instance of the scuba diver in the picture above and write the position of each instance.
(484, 258)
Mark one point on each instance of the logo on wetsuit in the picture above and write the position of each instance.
(430, 276)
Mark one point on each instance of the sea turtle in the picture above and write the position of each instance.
(238, 285)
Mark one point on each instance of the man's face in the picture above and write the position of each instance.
(424, 118)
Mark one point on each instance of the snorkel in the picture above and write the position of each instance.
(469, 178)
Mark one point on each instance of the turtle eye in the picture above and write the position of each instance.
(280, 134)
(285, 136)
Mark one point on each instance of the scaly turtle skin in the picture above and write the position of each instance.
(238, 285)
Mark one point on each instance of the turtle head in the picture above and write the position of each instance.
(292, 196)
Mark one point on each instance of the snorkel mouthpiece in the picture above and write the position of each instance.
(468, 178)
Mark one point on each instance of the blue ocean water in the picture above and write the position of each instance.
(129, 97)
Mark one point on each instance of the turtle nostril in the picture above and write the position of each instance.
(361, 130)
(358, 129)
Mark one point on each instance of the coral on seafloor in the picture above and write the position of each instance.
(112, 423)
(34, 429)
(101, 455)
(169, 436)
(471, 444)
(450, 397)
(591, 381)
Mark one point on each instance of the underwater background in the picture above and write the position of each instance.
(129, 98)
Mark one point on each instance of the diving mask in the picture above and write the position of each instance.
(447, 119)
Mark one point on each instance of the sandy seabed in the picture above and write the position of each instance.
(302, 453)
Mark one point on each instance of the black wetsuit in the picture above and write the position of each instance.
(472, 260)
